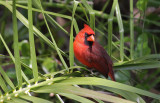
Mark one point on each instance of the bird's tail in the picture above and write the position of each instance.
(111, 75)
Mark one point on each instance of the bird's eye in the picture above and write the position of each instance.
(86, 34)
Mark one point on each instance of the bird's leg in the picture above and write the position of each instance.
(91, 70)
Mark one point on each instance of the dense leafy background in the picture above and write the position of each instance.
(36, 50)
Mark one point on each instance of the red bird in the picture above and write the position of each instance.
(91, 53)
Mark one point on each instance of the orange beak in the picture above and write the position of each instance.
(91, 38)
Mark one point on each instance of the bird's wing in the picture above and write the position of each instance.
(101, 60)
(99, 51)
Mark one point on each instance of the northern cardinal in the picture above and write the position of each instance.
(91, 53)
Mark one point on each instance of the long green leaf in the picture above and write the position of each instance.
(31, 41)
(71, 53)
(144, 65)
(7, 78)
(110, 27)
(18, 100)
(35, 99)
(10, 101)
(128, 95)
(9, 52)
(76, 27)
(121, 31)
(56, 88)
(25, 78)
(16, 47)
(105, 5)
(147, 57)
(108, 83)
(77, 98)
(131, 30)
(3, 85)
(59, 98)
(154, 44)
(92, 19)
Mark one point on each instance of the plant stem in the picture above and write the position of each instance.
(131, 30)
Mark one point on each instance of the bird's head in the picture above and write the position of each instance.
(86, 36)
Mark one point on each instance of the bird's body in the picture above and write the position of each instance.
(91, 53)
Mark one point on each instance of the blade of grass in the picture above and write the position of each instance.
(92, 19)
(110, 27)
(25, 78)
(35, 99)
(131, 30)
(148, 57)
(16, 47)
(71, 53)
(121, 31)
(6, 78)
(138, 66)
(77, 98)
(59, 98)
(5, 45)
(128, 95)
(31, 41)
(3, 85)
(105, 5)
(76, 26)
(18, 100)
(154, 44)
